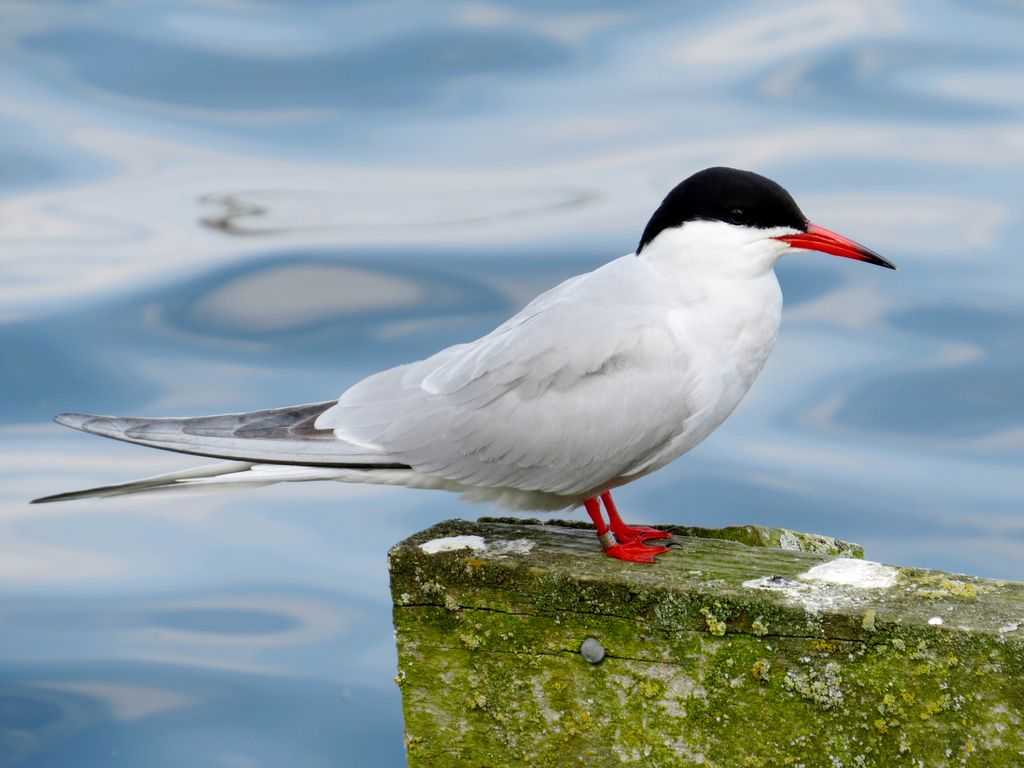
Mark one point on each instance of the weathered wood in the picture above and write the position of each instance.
(721, 654)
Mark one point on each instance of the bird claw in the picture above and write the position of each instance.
(635, 551)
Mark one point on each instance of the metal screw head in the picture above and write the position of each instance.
(592, 650)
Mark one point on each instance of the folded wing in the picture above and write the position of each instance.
(562, 398)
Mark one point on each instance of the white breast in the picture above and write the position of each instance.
(725, 326)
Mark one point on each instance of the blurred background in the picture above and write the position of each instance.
(211, 206)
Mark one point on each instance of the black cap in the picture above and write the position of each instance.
(726, 194)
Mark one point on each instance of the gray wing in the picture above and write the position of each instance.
(567, 395)
(278, 436)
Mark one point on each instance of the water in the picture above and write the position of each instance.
(210, 207)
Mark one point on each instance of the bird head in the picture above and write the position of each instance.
(737, 220)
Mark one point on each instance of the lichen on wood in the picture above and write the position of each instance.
(721, 654)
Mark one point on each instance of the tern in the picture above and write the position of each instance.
(603, 379)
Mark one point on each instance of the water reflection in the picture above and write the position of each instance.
(405, 71)
(284, 298)
(311, 305)
(772, 33)
(976, 399)
(270, 211)
(198, 705)
(222, 207)
(20, 169)
(871, 82)
(980, 401)
(225, 621)
(146, 714)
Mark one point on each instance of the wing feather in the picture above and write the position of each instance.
(538, 404)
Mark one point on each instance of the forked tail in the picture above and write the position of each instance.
(263, 447)
(225, 476)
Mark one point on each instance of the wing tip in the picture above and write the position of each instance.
(73, 420)
(54, 497)
(105, 426)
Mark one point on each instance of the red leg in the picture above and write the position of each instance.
(594, 510)
(625, 532)
(632, 550)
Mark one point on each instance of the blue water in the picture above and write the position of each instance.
(212, 207)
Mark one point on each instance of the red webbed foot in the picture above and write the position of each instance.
(635, 551)
(622, 541)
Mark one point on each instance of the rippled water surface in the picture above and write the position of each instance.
(214, 207)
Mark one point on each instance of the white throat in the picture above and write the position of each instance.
(713, 249)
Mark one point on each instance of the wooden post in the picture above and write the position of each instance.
(524, 645)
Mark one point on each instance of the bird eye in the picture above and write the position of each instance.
(738, 216)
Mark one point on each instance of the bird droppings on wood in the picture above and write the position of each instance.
(477, 544)
(864, 681)
(861, 574)
(453, 543)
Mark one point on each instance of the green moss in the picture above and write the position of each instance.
(947, 587)
(715, 627)
(868, 622)
(525, 695)
(699, 670)
(761, 669)
(776, 538)
(751, 535)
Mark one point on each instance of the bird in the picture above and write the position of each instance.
(596, 383)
